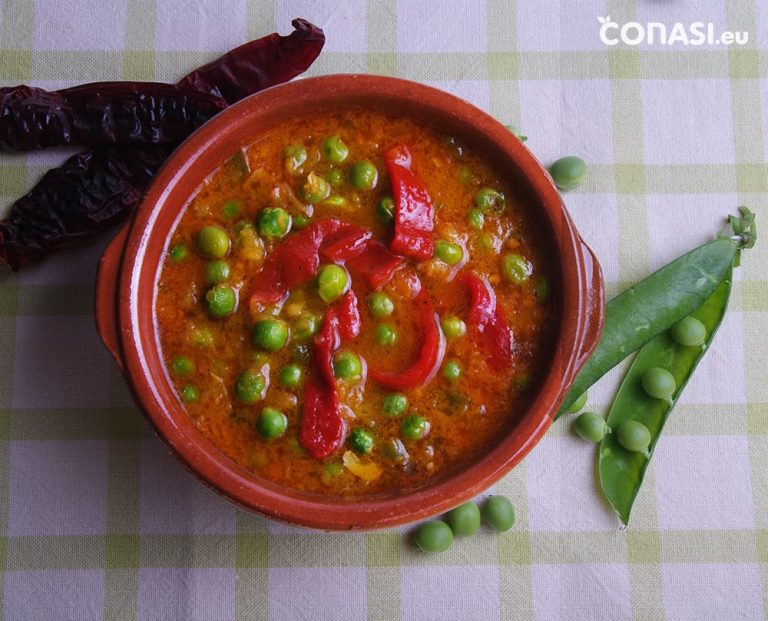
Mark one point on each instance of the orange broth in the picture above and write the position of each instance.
(467, 417)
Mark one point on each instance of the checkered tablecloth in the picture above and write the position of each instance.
(98, 521)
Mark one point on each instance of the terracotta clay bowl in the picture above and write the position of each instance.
(131, 265)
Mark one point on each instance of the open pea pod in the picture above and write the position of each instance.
(621, 471)
(649, 308)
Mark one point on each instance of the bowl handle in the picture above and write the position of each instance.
(106, 295)
(593, 304)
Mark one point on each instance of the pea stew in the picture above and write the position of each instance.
(355, 304)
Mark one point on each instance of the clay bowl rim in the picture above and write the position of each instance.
(140, 346)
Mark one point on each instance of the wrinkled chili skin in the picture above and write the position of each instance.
(90, 193)
(101, 113)
(258, 64)
(98, 188)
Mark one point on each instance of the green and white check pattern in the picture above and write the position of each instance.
(97, 521)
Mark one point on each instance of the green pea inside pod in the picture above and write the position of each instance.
(689, 332)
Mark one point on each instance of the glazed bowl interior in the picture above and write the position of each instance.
(177, 184)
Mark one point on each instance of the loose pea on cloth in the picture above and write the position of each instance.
(98, 521)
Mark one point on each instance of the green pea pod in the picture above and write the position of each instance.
(621, 471)
(662, 299)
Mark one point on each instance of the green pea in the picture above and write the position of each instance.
(201, 337)
(434, 536)
(213, 242)
(305, 326)
(393, 449)
(270, 334)
(448, 252)
(231, 209)
(271, 423)
(466, 176)
(347, 365)
(659, 383)
(274, 222)
(516, 131)
(315, 189)
(578, 404)
(216, 272)
(543, 289)
(476, 219)
(394, 404)
(249, 386)
(385, 209)
(290, 376)
(332, 283)
(300, 222)
(181, 365)
(451, 371)
(331, 471)
(633, 436)
(335, 178)
(361, 440)
(386, 335)
(334, 149)
(221, 301)
(499, 513)
(464, 520)
(363, 175)
(590, 427)
(295, 155)
(516, 269)
(380, 304)
(189, 394)
(335, 201)
(414, 427)
(453, 327)
(178, 253)
(689, 332)
(568, 172)
(488, 198)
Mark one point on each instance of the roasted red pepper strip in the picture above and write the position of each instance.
(489, 323)
(293, 262)
(296, 259)
(101, 113)
(347, 242)
(430, 356)
(414, 212)
(322, 426)
(348, 314)
(258, 64)
(375, 264)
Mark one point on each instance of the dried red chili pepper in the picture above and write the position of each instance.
(322, 425)
(487, 320)
(259, 64)
(100, 187)
(101, 113)
(91, 192)
(414, 212)
(430, 356)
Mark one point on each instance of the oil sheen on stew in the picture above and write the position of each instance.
(355, 304)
